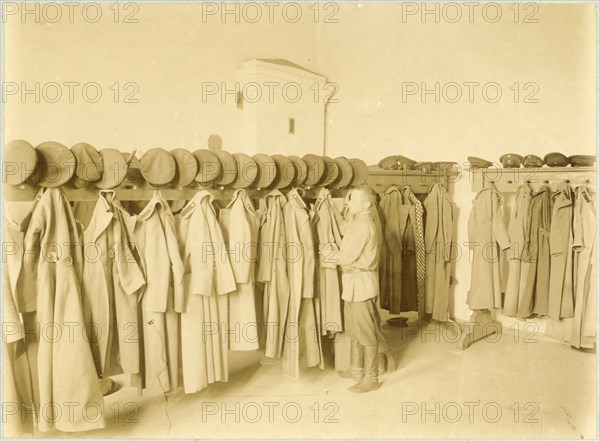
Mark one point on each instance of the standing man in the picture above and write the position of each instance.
(358, 257)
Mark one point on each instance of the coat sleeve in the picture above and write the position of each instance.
(499, 227)
(130, 273)
(26, 295)
(239, 236)
(177, 268)
(447, 227)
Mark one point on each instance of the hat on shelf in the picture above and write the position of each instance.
(20, 160)
(582, 160)
(532, 161)
(316, 169)
(158, 167)
(247, 171)
(331, 172)
(479, 163)
(186, 167)
(56, 164)
(345, 173)
(228, 167)
(267, 170)
(389, 163)
(209, 166)
(301, 170)
(133, 176)
(90, 166)
(286, 172)
(361, 172)
(556, 159)
(511, 160)
(405, 163)
(115, 168)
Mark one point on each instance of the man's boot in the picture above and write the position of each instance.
(370, 381)
(356, 370)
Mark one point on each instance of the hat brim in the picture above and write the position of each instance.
(247, 171)
(55, 165)
(115, 169)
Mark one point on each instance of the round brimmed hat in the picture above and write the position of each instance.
(186, 167)
(89, 167)
(286, 172)
(267, 170)
(361, 172)
(20, 160)
(389, 163)
(56, 164)
(301, 170)
(115, 168)
(345, 174)
(247, 171)
(228, 167)
(532, 161)
(133, 175)
(209, 166)
(478, 163)
(405, 163)
(316, 169)
(582, 160)
(158, 167)
(331, 172)
(511, 160)
(556, 159)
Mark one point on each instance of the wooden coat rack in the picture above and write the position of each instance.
(482, 322)
(379, 180)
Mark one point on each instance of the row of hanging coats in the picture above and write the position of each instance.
(417, 253)
(549, 244)
(162, 297)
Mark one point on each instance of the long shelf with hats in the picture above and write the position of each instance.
(178, 174)
(509, 179)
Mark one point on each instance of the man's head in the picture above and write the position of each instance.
(361, 200)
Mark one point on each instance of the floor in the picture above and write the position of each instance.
(509, 386)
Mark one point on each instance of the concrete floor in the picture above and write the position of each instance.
(512, 388)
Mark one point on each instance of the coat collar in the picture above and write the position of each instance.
(242, 196)
(324, 195)
(156, 201)
(201, 197)
(392, 189)
(563, 196)
(294, 198)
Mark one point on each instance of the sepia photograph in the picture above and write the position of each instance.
(299, 220)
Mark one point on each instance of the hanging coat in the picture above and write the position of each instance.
(560, 298)
(112, 277)
(328, 276)
(393, 221)
(583, 333)
(239, 223)
(413, 254)
(272, 271)
(518, 268)
(18, 397)
(487, 236)
(538, 280)
(438, 251)
(65, 367)
(208, 278)
(162, 297)
(302, 340)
